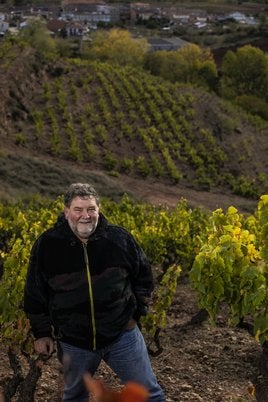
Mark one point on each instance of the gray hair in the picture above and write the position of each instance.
(80, 190)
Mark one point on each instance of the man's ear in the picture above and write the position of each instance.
(66, 211)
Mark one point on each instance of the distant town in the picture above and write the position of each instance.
(78, 18)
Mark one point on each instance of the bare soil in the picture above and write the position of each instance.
(199, 362)
(23, 175)
(158, 193)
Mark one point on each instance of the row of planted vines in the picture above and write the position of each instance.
(225, 255)
(92, 111)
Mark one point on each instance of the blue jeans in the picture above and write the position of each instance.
(127, 357)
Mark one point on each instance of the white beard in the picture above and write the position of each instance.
(83, 230)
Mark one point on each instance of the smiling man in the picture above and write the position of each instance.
(82, 215)
(88, 283)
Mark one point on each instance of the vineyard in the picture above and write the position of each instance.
(70, 119)
(222, 255)
(124, 121)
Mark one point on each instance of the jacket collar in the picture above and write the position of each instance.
(63, 227)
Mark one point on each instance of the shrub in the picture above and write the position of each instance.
(110, 161)
(126, 165)
(142, 166)
(254, 105)
(20, 139)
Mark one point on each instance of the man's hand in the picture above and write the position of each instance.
(44, 346)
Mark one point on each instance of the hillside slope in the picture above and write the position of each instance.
(74, 120)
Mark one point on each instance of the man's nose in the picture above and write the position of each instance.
(85, 214)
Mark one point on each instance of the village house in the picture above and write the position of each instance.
(74, 28)
(56, 26)
(89, 11)
(83, 15)
(142, 11)
(166, 44)
(242, 18)
(4, 25)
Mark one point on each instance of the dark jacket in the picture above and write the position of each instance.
(85, 294)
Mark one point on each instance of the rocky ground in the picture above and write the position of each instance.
(199, 362)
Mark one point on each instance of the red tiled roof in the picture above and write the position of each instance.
(55, 25)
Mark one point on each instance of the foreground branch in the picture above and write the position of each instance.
(23, 388)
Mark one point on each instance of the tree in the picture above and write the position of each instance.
(245, 72)
(37, 35)
(190, 64)
(197, 65)
(253, 105)
(118, 46)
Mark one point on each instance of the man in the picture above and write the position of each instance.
(88, 282)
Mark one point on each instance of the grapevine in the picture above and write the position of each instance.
(156, 320)
(231, 268)
(225, 255)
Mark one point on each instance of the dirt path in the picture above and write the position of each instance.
(159, 193)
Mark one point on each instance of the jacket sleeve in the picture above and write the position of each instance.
(141, 279)
(36, 295)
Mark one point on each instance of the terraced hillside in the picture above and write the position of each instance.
(67, 118)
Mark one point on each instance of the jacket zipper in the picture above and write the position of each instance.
(93, 322)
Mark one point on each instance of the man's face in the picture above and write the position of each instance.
(82, 216)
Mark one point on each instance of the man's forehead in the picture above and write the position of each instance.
(85, 200)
